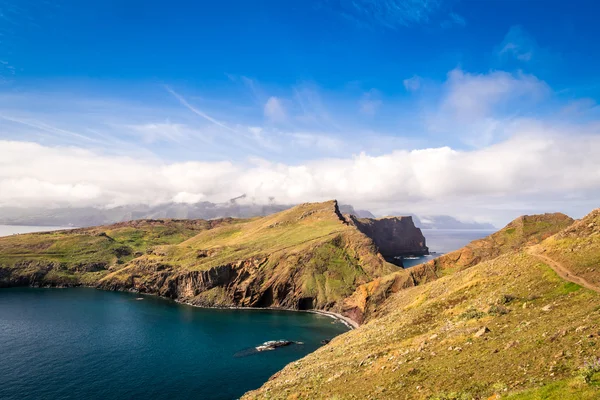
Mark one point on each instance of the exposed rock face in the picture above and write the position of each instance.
(394, 236)
(273, 344)
(279, 280)
(364, 301)
(308, 257)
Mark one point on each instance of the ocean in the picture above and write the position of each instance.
(442, 241)
(82, 343)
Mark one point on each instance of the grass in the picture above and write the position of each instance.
(521, 232)
(304, 252)
(301, 256)
(564, 389)
(421, 350)
(73, 256)
(578, 248)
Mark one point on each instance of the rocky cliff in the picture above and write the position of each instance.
(303, 258)
(309, 256)
(393, 236)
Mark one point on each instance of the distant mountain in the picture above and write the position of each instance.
(446, 222)
(235, 208)
(91, 216)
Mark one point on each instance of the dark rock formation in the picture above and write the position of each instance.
(393, 236)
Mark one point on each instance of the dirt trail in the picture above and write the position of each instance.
(563, 272)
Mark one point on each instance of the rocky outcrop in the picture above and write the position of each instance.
(365, 301)
(307, 257)
(393, 236)
(279, 280)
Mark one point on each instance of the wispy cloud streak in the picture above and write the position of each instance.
(390, 14)
(196, 111)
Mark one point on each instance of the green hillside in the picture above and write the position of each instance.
(86, 255)
(305, 257)
(505, 327)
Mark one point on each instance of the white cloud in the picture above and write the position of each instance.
(196, 111)
(479, 108)
(471, 96)
(454, 19)
(83, 152)
(390, 14)
(274, 110)
(519, 45)
(412, 84)
(188, 198)
(536, 162)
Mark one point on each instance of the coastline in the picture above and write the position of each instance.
(345, 320)
(350, 324)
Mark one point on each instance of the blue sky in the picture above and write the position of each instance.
(430, 106)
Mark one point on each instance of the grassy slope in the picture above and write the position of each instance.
(423, 344)
(297, 227)
(308, 246)
(578, 248)
(86, 255)
(524, 231)
(307, 252)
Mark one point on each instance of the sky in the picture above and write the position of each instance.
(483, 110)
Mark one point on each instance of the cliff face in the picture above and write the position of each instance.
(303, 258)
(393, 236)
(309, 256)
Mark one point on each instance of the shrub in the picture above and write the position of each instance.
(472, 313)
(497, 310)
(505, 299)
(589, 368)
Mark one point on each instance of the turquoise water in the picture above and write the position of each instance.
(89, 344)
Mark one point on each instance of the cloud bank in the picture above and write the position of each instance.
(536, 162)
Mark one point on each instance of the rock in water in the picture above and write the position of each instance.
(273, 344)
